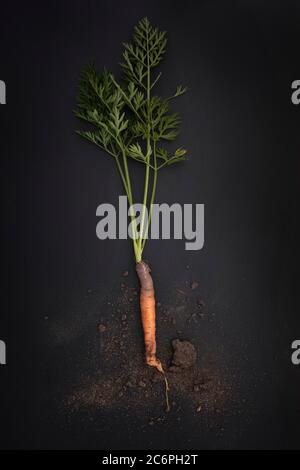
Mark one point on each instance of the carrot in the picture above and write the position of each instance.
(148, 317)
(130, 123)
(148, 314)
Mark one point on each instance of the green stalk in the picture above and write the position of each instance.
(130, 200)
(152, 195)
(147, 172)
(121, 174)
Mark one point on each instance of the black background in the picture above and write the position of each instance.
(239, 59)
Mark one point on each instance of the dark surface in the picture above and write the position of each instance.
(242, 132)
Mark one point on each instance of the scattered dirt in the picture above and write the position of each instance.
(136, 386)
(118, 376)
(194, 285)
(101, 328)
(200, 302)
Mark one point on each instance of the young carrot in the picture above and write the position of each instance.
(129, 123)
(148, 316)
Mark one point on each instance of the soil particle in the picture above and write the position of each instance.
(200, 302)
(101, 328)
(130, 384)
(125, 273)
(194, 285)
(157, 377)
(184, 355)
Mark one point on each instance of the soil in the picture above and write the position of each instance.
(118, 376)
(184, 355)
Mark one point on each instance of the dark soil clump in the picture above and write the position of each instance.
(184, 355)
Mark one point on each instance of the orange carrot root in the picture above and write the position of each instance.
(148, 316)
